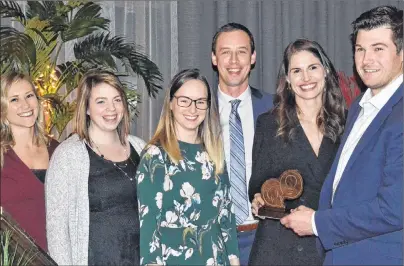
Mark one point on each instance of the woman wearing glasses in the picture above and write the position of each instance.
(183, 188)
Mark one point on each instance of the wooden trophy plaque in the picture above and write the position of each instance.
(275, 191)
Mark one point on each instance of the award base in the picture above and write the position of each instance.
(267, 212)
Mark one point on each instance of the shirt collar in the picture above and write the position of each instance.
(380, 99)
(227, 98)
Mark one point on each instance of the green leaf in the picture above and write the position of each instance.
(98, 49)
(48, 26)
(141, 65)
(82, 27)
(37, 9)
(11, 9)
(16, 45)
(86, 21)
(48, 11)
(89, 10)
(62, 116)
(102, 49)
(46, 40)
(70, 75)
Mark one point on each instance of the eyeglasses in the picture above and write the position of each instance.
(183, 101)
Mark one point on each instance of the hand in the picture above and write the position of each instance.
(299, 220)
(235, 262)
(257, 203)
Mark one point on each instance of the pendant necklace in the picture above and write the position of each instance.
(114, 163)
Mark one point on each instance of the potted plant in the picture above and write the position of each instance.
(48, 25)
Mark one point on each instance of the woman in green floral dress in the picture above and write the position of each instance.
(183, 187)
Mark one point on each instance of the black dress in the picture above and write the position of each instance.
(114, 220)
(274, 244)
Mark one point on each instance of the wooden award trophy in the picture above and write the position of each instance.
(275, 191)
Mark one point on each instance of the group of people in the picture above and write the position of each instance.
(191, 195)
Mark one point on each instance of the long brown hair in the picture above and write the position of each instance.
(331, 118)
(6, 135)
(209, 131)
(86, 84)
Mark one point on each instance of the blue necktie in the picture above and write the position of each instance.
(237, 165)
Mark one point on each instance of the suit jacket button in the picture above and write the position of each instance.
(299, 248)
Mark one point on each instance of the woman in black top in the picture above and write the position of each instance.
(91, 199)
(114, 222)
(301, 132)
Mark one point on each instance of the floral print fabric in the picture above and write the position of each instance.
(184, 210)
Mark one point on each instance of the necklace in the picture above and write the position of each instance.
(114, 163)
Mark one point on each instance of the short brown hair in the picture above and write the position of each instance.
(86, 84)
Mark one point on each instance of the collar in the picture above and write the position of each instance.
(227, 98)
(380, 99)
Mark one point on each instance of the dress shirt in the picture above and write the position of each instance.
(245, 110)
(371, 105)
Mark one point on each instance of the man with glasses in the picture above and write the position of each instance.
(233, 55)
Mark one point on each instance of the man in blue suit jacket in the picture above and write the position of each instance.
(360, 216)
(233, 55)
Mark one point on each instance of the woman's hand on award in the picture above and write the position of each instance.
(257, 203)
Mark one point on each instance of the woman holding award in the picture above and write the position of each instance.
(302, 132)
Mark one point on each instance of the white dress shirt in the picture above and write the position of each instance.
(371, 105)
(245, 110)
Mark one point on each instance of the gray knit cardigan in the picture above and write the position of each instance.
(67, 203)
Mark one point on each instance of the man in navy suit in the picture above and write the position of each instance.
(233, 55)
(360, 216)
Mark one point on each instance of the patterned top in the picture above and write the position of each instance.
(184, 209)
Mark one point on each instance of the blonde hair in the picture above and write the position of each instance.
(209, 132)
(6, 135)
(81, 119)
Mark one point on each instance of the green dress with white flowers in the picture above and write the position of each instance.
(184, 209)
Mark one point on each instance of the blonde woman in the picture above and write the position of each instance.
(183, 188)
(91, 203)
(25, 153)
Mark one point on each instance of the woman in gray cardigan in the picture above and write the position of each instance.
(90, 187)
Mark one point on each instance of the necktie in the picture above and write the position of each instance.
(237, 165)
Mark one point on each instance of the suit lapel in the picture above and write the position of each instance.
(328, 183)
(326, 191)
(258, 107)
(374, 126)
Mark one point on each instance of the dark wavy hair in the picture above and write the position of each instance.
(381, 16)
(331, 118)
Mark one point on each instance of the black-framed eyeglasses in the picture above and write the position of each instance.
(184, 101)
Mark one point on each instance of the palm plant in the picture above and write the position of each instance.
(48, 25)
(9, 255)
